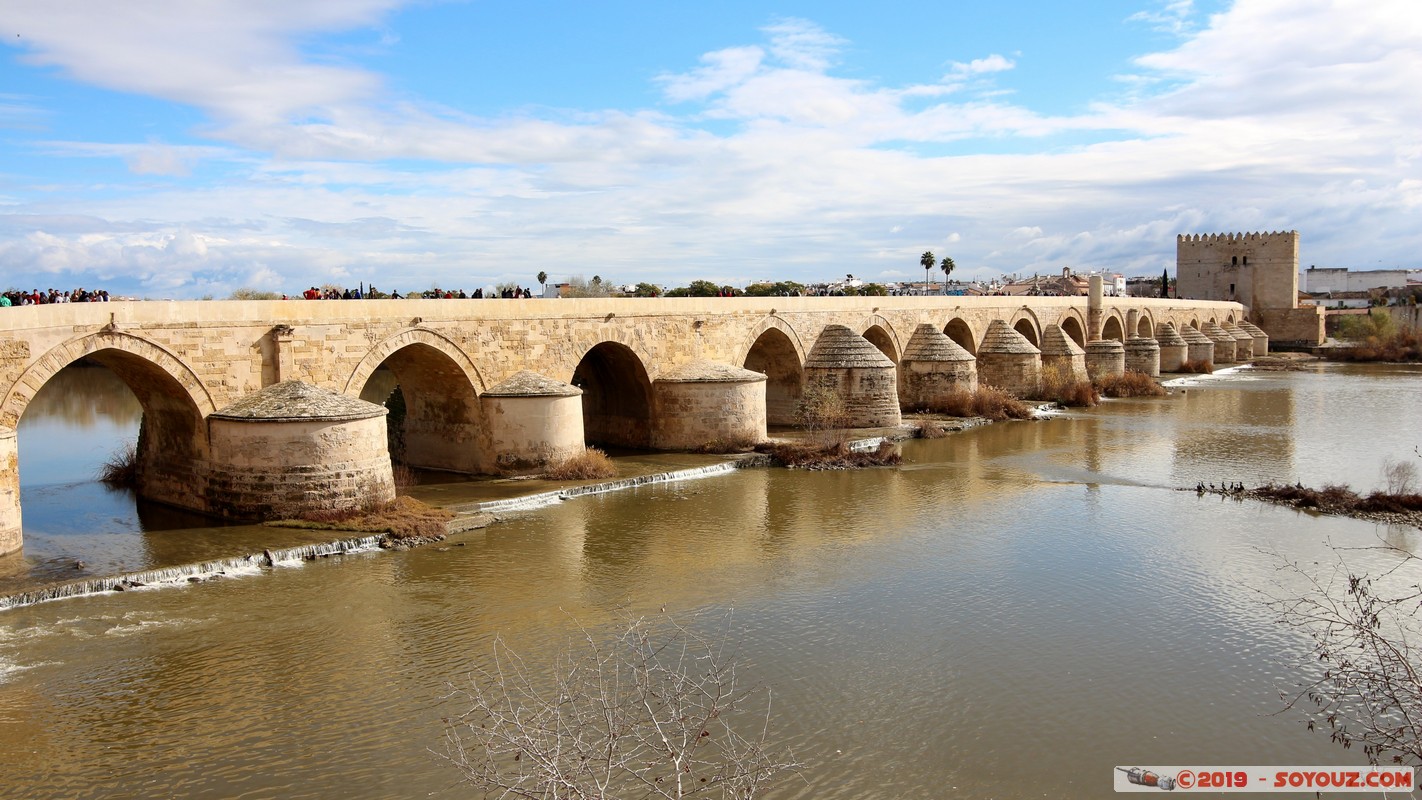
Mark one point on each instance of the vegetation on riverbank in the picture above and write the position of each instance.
(1065, 389)
(1377, 337)
(591, 464)
(404, 520)
(988, 402)
(830, 455)
(120, 471)
(1397, 501)
(1130, 384)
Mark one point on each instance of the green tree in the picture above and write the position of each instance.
(947, 266)
(927, 260)
(696, 289)
(647, 290)
(542, 278)
(1165, 283)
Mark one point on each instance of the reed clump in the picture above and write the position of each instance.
(830, 455)
(727, 445)
(1130, 384)
(1199, 366)
(121, 469)
(988, 402)
(590, 464)
(1064, 388)
(404, 519)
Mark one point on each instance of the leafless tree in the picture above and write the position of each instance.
(657, 711)
(1364, 676)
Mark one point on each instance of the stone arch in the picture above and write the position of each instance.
(1195, 323)
(882, 335)
(1113, 328)
(617, 396)
(173, 441)
(774, 355)
(1074, 327)
(388, 347)
(775, 323)
(1026, 323)
(440, 424)
(1145, 326)
(962, 333)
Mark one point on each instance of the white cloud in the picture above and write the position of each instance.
(1310, 127)
(981, 66)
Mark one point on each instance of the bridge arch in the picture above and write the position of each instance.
(961, 333)
(1145, 325)
(1113, 328)
(880, 333)
(775, 351)
(440, 423)
(617, 396)
(1026, 323)
(1074, 326)
(173, 440)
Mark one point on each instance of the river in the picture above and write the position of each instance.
(1013, 612)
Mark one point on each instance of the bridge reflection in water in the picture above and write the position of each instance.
(495, 386)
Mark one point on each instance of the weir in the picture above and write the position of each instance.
(495, 386)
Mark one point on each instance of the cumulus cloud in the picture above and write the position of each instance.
(767, 161)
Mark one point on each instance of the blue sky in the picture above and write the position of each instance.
(167, 149)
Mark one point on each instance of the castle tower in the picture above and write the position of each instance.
(1259, 270)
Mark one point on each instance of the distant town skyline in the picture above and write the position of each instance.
(185, 150)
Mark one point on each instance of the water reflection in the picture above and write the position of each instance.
(1012, 612)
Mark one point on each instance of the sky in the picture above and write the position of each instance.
(170, 149)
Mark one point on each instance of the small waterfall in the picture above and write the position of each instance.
(192, 573)
(542, 499)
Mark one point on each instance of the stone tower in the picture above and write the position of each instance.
(1258, 270)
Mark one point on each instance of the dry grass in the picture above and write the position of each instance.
(406, 518)
(834, 455)
(928, 429)
(1340, 499)
(988, 401)
(1063, 388)
(404, 476)
(738, 445)
(1130, 384)
(591, 464)
(1400, 345)
(1202, 366)
(121, 469)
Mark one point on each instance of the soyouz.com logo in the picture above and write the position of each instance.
(1264, 779)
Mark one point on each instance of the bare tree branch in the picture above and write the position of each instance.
(656, 711)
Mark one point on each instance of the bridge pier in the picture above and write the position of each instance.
(846, 365)
(10, 541)
(706, 402)
(933, 367)
(292, 449)
(534, 422)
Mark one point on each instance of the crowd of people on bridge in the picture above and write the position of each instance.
(362, 293)
(35, 297)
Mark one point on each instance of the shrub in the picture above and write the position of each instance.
(733, 445)
(590, 464)
(928, 429)
(121, 469)
(1063, 388)
(1130, 384)
(406, 518)
(831, 455)
(1202, 366)
(988, 401)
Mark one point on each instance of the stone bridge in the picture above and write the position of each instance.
(494, 386)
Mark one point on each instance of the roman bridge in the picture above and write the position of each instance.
(244, 399)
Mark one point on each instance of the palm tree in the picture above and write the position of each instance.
(927, 260)
(542, 280)
(947, 267)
